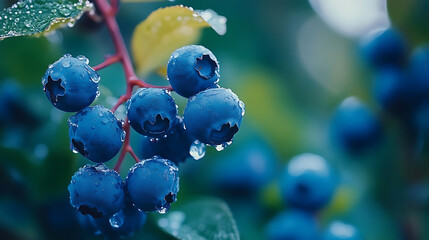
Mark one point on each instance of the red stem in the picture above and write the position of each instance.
(109, 14)
(109, 61)
(125, 146)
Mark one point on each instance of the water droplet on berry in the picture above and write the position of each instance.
(83, 59)
(175, 55)
(242, 107)
(163, 210)
(66, 63)
(123, 135)
(197, 150)
(222, 146)
(116, 220)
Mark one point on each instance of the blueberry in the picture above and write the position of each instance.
(214, 116)
(384, 48)
(97, 191)
(307, 182)
(293, 224)
(341, 231)
(354, 127)
(86, 222)
(175, 146)
(70, 84)
(192, 69)
(96, 133)
(152, 184)
(122, 224)
(246, 170)
(394, 91)
(419, 64)
(152, 112)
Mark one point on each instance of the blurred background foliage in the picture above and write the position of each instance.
(288, 66)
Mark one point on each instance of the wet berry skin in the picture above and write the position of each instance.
(122, 224)
(174, 147)
(307, 182)
(341, 231)
(70, 83)
(192, 69)
(384, 48)
(354, 127)
(152, 184)
(152, 112)
(96, 190)
(214, 116)
(96, 133)
(293, 224)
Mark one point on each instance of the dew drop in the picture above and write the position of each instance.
(117, 220)
(220, 147)
(123, 135)
(197, 150)
(66, 63)
(163, 210)
(65, 12)
(242, 107)
(83, 59)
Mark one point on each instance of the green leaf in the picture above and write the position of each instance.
(204, 219)
(167, 29)
(29, 17)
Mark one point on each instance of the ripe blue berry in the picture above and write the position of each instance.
(307, 182)
(152, 112)
(341, 231)
(96, 133)
(394, 91)
(122, 224)
(70, 84)
(174, 147)
(294, 224)
(419, 64)
(213, 116)
(152, 184)
(246, 170)
(97, 191)
(86, 222)
(384, 48)
(354, 127)
(192, 69)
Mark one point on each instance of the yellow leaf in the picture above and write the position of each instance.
(167, 29)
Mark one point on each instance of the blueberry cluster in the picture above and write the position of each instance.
(400, 87)
(401, 83)
(105, 203)
(307, 185)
